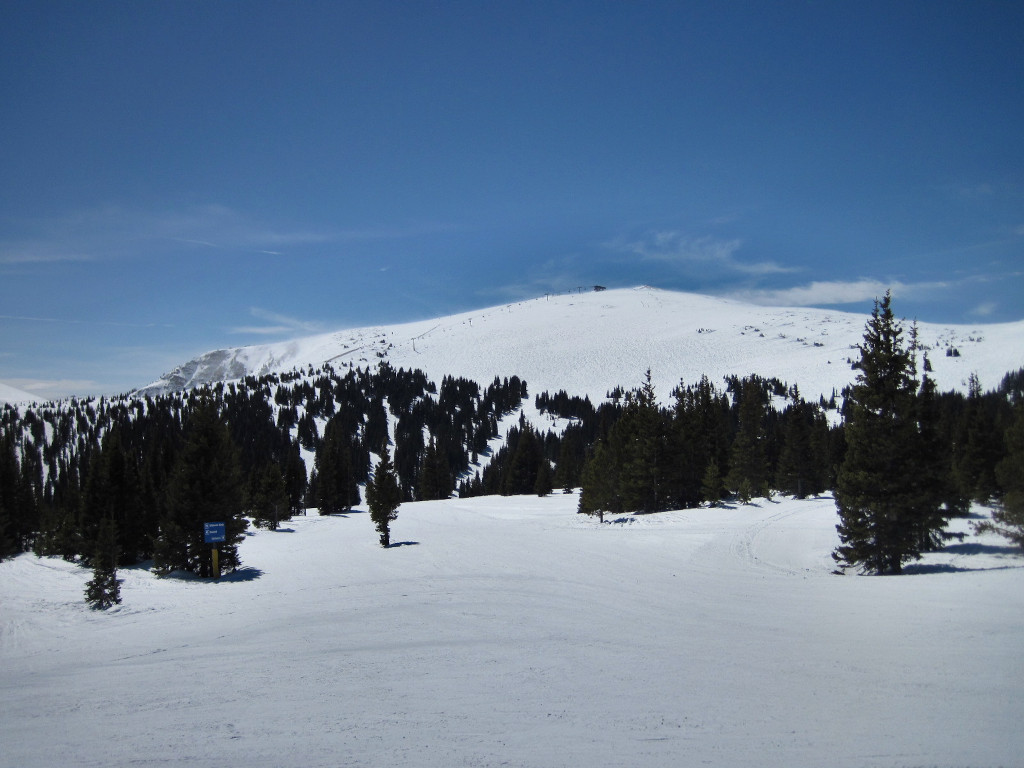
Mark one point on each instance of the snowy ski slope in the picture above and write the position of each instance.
(514, 632)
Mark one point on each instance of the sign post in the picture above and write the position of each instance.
(214, 533)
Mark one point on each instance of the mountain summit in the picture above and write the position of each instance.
(588, 343)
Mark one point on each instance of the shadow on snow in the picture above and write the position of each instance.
(246, 573)
(966, 550)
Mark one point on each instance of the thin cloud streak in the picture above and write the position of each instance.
(838, 292)
(682, 250)
(114, 232)
(281, 324)
(81, 321)
(37, 257)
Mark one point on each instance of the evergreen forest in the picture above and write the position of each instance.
(123, 480)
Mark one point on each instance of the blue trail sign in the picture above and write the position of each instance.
(213, 533)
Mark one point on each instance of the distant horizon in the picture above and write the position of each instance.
(185, 178)
(861, 316)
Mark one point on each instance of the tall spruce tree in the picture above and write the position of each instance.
(435, 481)
(205, 487)
(383, 496)
(748, 464)
(701, 426)
(268, 497)
(571, 453)
(630, 469)
(544, 486)
(643, 434)
(1008, 518)
(884, 515)
(980, 446)
(337, 485)
(113, 491)
(10, 499)
(521, 475)
(933, 488)
(599, 491)
(802, 460)
(711, 484)
(104, 588)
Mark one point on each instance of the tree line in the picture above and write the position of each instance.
(901, 458)
(135, 478)
(124, 480)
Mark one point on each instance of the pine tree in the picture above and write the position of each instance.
(337, 488)
(521, 477)
(1008, 518)
(295, 479)
(884, 516)
(544, 484)
(979, 447)
(797, 471)
(205, 486)
(383, 497)
(711, 484)
(268, 498)
(9, 501)
(435, 476)
(932, 486)
(113, 490)
(599, 492)
(748, 465)
(567, 470)
(643, 435)
(700, 439)
(104, 588)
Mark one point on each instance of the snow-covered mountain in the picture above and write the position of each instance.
(9, 394)
(514, 631)
(588, 343)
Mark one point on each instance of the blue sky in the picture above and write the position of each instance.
(182, 176)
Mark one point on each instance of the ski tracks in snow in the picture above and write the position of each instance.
(778, 541)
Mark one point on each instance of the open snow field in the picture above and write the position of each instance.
(513, 632)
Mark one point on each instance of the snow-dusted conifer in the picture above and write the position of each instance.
(1008, 519)
(104, 588)
(885, 517)
(205, 486)
(383, 497)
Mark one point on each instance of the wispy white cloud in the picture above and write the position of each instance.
(112, 232)
(21, 255)
(839, 292)
(82, 321)
(279, 324)
(980, 191)
(985, 309)
(683, 250)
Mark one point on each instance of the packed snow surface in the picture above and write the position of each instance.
(589, 343)
(514, 632)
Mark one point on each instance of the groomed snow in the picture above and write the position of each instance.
(512, 631)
